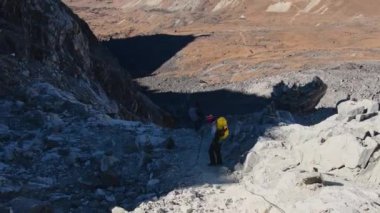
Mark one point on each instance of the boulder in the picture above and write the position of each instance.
(118, 210)
(338, 151)
(349, 109)
(361, 110)
(313, 179)
(364, 117)
(299, 97)
(370, 105)
(372, 172)
(250, 161)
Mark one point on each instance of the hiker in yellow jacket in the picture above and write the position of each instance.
(221, 133)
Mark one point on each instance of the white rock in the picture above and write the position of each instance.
(371, 106)
(294, 168)
(370, 146)
(335, 152)
(118, 210)
(250, 161)
(366, 116)
(372, 173)
(349, 109)
(352, 108)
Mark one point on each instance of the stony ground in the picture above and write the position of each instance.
(329, 167)
(60, 153)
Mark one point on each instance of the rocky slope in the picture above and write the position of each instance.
(43, 41)
(64, 148)
(80, 160)
(329, 167)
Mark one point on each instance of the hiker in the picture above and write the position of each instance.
(196, 116)
(220, 134)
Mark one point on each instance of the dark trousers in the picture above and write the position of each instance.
(214, 153)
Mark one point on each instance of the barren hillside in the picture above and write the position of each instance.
(244, 39)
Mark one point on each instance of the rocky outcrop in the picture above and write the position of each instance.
(317, 167)
(42, 41)
(65, 155)
(329, 167)
(299, 97)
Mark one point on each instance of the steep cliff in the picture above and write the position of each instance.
(43, 41)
